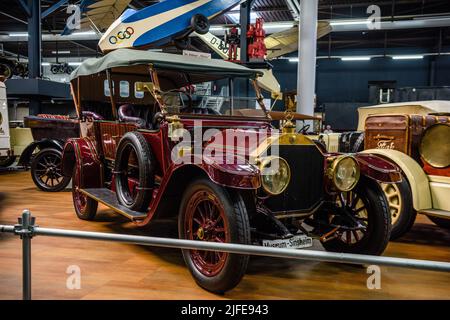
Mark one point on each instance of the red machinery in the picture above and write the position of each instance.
(257, 50)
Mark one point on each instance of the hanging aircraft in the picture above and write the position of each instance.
(277, 44)
(98, 14)
(163, 23)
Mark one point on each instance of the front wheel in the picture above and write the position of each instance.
(209, 212)
(46, 171)
(200, 24)
(362, 224)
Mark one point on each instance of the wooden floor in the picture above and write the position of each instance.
(120, 271)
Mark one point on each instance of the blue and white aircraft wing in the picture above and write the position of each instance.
(161, 23)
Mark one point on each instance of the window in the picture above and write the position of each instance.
(138, 94)
(106, 88)
(124, 87)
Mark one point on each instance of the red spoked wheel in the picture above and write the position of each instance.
(206, 221)
(85, 207)
(209, 212)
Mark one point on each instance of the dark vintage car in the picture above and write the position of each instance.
(237, 180)
(43, 156)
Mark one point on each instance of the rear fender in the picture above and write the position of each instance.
(81, 153)
(377, 168)
(25, 157)
(418, 180)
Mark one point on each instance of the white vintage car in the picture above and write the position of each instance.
(426, 185)
(12, 140)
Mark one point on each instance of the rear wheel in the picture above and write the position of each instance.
(7, 161)
(46, 170)
(6, 68)
(363, 220)
(441, 222)
(85, 207)
(209, 212)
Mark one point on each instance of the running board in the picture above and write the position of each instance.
(436, 213)
(109, 199)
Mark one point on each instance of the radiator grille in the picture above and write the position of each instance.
(305, 190)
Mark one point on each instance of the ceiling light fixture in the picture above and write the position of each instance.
(18, 34)
(408, 57)
(61, 52)
(348, 22)
(355, 58)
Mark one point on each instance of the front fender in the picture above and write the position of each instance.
(27, 153)
(377, 168)
(236, 174)
(418, 180)
(81, 153)
(240, 176)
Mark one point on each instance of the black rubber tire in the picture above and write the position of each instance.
(182, 43)
(6, 68)
(146, 165)
(379, 223)
(7, 161)
(37, 164)
(441, 222)
(239, 230)
(89, 211)
(408, 215)
(200, 24)
(359, 144)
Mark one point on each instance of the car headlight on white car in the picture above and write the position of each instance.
(344, 173)
(275, 174)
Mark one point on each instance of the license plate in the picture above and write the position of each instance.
(295, 242)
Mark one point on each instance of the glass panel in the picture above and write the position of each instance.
(124, 87)
(106, 88)
(138, 94)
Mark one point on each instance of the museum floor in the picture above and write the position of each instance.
(123, 271)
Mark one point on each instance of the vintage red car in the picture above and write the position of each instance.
(159, 148)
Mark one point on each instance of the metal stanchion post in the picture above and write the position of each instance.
(25, 229)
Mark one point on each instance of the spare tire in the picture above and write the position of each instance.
(134, 172)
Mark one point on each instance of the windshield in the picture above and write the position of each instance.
(212, 99)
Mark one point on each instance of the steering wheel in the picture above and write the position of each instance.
(305, 129)
(187, 108)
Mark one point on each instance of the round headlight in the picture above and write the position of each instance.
(275, 174)
(345, 173)
(435, 145)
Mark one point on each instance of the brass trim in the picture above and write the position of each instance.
(263, 162)
(331, 171)
(435, 143)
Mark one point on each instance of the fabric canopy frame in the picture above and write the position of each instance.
(209, 68)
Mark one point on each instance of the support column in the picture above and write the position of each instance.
(34, 48)
(306, 78)
(244, 21)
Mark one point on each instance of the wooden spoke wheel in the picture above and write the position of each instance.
(360, 222)
(209, 212)
(46, 171)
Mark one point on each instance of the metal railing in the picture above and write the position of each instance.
(26, 229)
